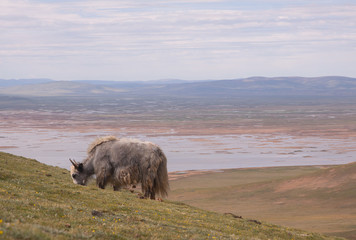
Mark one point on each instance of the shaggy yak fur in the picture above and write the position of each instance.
(124, 162)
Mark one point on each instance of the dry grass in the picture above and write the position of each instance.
(313, 198)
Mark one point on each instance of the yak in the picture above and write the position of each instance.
(123, 162)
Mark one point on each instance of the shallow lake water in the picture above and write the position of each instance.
(189, 152)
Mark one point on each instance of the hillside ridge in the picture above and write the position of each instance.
(323, 86)
(329, 178)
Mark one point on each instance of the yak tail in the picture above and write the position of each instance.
(161, 185)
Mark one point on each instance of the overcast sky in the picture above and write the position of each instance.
(184, 39)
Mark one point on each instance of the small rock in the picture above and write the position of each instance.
(140, 196)
(255, 221)
(96, 213)
(233, 215)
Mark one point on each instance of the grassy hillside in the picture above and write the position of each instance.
(314, 198)
(40, 202)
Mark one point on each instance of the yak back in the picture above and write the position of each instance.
(132, 152)
(98, 142)
(123, 152)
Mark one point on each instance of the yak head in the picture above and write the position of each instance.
(77, 173)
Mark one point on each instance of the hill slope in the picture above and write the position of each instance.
(313, 198)
(60, 88)
(256, 86)
(40, 202)
(21, 82)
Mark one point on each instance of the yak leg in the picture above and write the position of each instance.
(153, 194)
(116, 188)
(153, 190)
(103, 176)
(149, 191)
(101, 180)
(149, 184)
(152, 175)
(146, 190)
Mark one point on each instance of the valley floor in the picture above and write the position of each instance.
(315, 198)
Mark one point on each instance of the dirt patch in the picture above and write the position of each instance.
(183, 174)
(330, 178)
(200, 140)
(7, 147)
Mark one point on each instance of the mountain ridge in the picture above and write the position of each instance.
(257, 85)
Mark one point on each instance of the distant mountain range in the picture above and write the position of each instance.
(20, 82)
(281, 86)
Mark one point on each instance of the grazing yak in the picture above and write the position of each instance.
(123, 162)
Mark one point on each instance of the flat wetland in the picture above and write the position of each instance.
(195, 133)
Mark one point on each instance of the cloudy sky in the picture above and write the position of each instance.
(185, 39)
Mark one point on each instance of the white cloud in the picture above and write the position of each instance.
(179, 35)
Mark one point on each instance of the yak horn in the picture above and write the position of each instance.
(75, 164)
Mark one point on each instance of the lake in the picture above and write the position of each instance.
(189, 152)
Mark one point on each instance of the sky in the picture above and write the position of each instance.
(176, 39)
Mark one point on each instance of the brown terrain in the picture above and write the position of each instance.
(315, 198)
